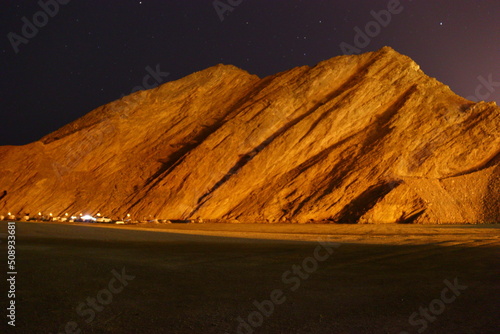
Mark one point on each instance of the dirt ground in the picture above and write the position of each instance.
(251, 278)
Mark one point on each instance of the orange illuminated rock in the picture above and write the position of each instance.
(366, 138)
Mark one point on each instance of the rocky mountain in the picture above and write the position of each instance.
(368, 139)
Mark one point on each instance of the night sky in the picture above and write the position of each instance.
(88, 53)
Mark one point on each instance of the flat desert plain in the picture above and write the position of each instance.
(253, 278)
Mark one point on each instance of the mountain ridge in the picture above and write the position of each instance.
(366, 138)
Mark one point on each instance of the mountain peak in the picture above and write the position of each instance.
(365, 138)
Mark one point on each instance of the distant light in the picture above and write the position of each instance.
(9, 213)
(39, 213)
(88, 217)
(66, 214)
(98, 215)
(50, 214)
(128, 214)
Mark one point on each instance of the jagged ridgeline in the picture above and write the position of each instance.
(354, 139)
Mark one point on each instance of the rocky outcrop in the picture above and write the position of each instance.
(366, 138)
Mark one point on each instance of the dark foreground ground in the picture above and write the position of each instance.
(173, 282)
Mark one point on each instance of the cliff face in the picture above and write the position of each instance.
(367, 139)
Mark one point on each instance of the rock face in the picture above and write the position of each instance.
(368, 139)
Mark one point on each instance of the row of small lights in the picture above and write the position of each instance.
(73, 217)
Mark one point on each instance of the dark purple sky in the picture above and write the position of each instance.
(91, 52)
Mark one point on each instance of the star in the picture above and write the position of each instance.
(440, 23)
